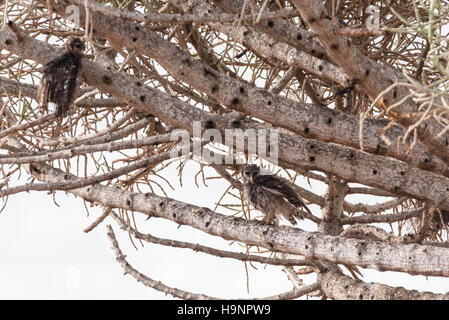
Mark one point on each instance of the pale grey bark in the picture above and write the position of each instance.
(336, 285)
(372, 77)
(140, 277)
(279, 28)
(410, 258)
(304, 119)
(311, 137)
(350, 164)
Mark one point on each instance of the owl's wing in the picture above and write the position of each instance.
(276, 186)
(58, 83)
(45, 86)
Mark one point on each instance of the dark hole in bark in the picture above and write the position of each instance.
(106, 79)
(236, 124)
(209, 124)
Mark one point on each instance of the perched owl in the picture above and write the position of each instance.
(271, 196)
(58, 84)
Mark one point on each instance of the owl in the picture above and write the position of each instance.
(271, 196)
(58, 84)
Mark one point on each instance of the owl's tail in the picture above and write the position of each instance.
(293, 215)
(299, 204)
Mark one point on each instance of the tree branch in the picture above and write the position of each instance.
(304, 119)
(414, 258)
(372, 77)
(208, 250)
(350, 164)
(336, 285)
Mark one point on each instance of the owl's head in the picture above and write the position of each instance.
(76, 45)
(250, 172)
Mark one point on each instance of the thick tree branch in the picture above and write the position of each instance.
(410, 258)
(372, 77)
(336, 285)
(157, 285)
(304, 119)
(350, 164)
(278, 28)
(208, 250)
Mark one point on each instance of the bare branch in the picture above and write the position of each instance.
(336, 285)
(303, 119)
(157, 285)
(422, 259)
(208, 250)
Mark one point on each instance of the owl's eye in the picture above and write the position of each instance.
(246, 171)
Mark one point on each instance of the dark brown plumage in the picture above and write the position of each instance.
(271, 196)
(58, 84)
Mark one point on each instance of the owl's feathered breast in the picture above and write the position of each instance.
(58, 84)
(268, 191)
(257, 196)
